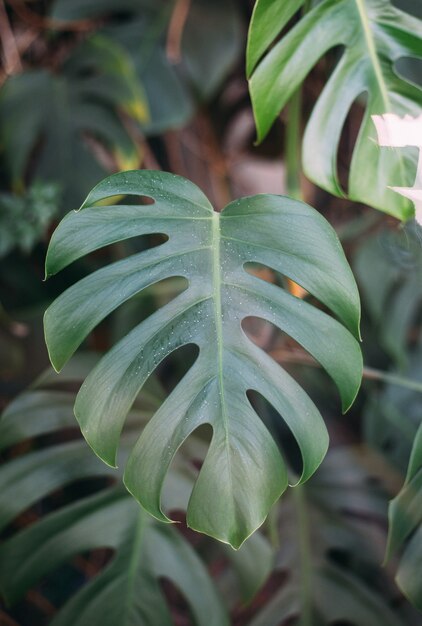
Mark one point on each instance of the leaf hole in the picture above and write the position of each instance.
(143, 304)
(348, 137)
(55, 500)
(184, 469)
(278, 428)
(410, 69)
(270, 275)
(177, 603)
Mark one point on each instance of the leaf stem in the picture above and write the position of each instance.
(392, 379)
(133, 564)
(294, 138)
(304, 556)
(293, 146)
(302, 358)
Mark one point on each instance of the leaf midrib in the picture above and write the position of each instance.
(134, 564)
(216, 282)
(372, 51)
(373, 55)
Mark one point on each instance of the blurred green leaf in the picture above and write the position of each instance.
(145, 550)
(206, 45)
(392, 416)
(127, 590)
(211, 43)
(96, 82)
(388, 268)
(330, 549)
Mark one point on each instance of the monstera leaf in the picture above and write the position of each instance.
(388, 269)
(243, 472)
(206, 48)
(127, 590)
(96, 82)
(375, 35)
(330, 540)
(405, 530)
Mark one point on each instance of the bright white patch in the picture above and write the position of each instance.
(396, 132)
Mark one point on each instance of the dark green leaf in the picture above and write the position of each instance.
(388, 269)
(127, 591)
(243, 473)
(96, 82)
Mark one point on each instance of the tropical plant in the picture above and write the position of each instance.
(331, 538)
(243, 470)
(128, 589)
(388, 267)
(373, 35)
(216, 329)
(393, 414)
(96, 84)
(206, 46)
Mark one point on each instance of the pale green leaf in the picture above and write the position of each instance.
(374, 35)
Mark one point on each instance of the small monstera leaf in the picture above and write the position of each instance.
(374, 35)
(127, 590)
(243, 472)
(405, 529)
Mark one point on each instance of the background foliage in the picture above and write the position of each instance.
(89, 88)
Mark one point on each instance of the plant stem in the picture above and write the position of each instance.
(293, 146)
(294, 138)
(392, 379)
(304, 556)
(302, 358)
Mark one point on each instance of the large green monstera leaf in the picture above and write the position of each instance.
(374, 35)
(243, 472)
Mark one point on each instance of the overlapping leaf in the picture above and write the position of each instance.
(206, 47)
(243, 473)
(375, 35)
(97, 81)
(127, 591)
(330, 538)
(388, 269)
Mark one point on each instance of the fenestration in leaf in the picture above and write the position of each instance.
(374, 35)
(243, 473)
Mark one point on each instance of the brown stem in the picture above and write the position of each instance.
(12, 59)
(175, 30)
(297, 356)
